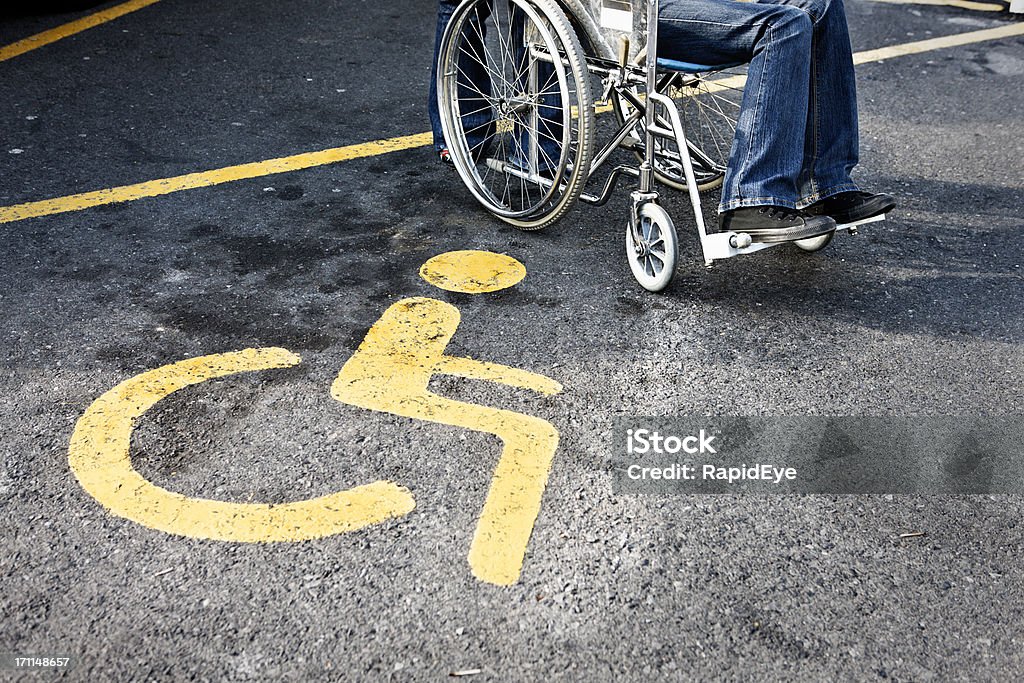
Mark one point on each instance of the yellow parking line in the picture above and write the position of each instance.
(954, 40)
(962, 4)
(153, 188)
(71, 28)
(256, 169)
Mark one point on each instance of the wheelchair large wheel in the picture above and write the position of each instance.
(516, 110)
(709, 105)
(652, 257)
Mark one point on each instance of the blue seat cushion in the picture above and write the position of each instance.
(689, 68)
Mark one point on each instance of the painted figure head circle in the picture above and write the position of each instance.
(472, 272)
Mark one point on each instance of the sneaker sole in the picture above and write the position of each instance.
(779, 235)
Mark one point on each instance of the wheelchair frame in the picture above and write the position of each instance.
(649, 226)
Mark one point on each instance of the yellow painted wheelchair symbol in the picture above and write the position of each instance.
(389, 372)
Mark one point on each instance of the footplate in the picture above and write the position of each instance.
(723, 245)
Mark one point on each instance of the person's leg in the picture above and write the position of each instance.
(444, 15)
(833, 140)
(760, 191)
(767, 153)
(474, 82)
(832, 145)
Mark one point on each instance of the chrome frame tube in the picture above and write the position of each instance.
(533, 135)
(647, 167)
(653, 100)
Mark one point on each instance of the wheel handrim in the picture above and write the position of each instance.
(507, 177)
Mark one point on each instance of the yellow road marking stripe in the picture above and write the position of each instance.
(963, 4)
(71, 28)
(942, 42)
(257, 169)
(153, 188)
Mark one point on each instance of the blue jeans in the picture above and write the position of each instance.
(476, 124)
(796, 139)
(475, 87)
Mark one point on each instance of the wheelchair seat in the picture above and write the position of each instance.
(691, 68)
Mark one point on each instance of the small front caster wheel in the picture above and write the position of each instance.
(812, 244)
(652, 252)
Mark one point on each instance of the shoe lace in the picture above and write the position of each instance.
(779, 213)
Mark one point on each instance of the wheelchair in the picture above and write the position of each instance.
(516, 83)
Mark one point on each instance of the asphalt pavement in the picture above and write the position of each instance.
(918, 316)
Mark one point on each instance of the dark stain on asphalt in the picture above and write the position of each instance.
(91, 273)
(352, 222)
(204, 230)
(174, 458)
(517, 298)
(266, 253)
(353, 340)
(290, 193)
(775, 638)
(969, 467)
(328, 287)
(241, 320)
(182, 430)
(112, 208)
(630, 306)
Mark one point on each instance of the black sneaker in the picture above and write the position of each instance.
(850, 207)
(446, 157)
(772, 224)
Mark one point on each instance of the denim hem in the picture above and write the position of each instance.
(825, 194)
(742, 172)
(755, 201)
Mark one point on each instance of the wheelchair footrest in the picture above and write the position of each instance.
(852, 227)
(722, 245)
